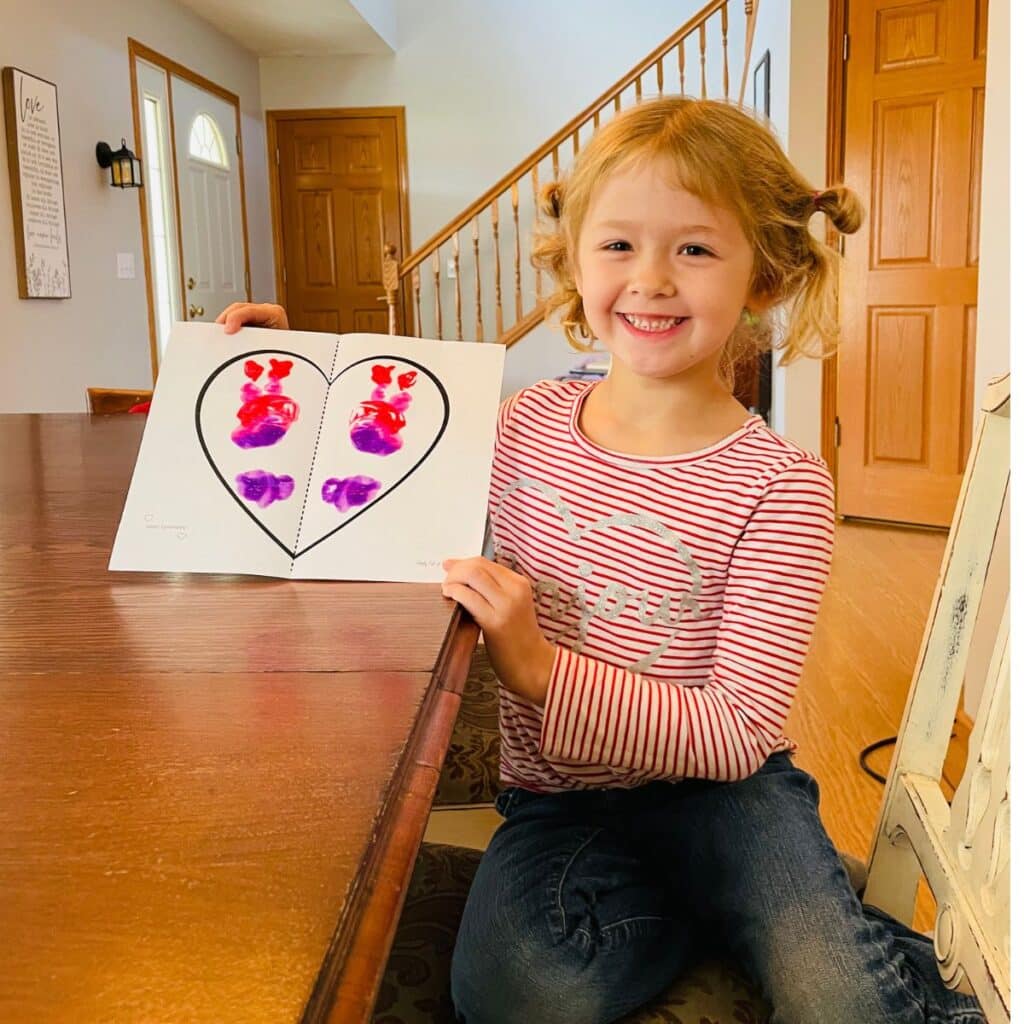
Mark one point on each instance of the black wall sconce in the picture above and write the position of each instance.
(125, 166)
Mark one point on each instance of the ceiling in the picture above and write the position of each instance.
(295, 28)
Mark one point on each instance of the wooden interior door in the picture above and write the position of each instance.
(905, 372)
(340, 200)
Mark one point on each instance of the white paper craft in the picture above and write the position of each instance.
(312, 456)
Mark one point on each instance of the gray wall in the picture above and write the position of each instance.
(53, 349)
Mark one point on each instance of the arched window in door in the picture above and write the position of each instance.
(205, 142)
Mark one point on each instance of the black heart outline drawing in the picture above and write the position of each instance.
(329, 381)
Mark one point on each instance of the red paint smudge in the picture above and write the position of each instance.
(280, 368)
(278, 408)
(381, 414)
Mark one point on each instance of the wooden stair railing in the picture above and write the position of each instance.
(405, 281)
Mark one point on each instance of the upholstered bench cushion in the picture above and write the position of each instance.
(713, 992)
(470, 771)
(415, 989)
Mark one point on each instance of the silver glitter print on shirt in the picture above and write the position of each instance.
(614, 598)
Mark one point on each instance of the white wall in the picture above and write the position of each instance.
(483, 84)
(799, 385)
(993, 343)
(54, 349)
(382, 17)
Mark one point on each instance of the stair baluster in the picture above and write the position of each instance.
(703, 62)
(535, 182)
(476, 263)
(437, 292)
(725, 50)
(497, 269)
(515, 222)
(458, 288)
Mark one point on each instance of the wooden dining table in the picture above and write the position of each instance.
(212, 788)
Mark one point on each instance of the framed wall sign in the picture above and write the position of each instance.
(37, 186)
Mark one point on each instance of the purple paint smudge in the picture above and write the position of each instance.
(351, 492)
(264, 488)
(261, 436)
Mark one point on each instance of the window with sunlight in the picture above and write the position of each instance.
(205, 142)
(158, 195)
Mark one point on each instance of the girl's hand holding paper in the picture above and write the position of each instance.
(501, 601)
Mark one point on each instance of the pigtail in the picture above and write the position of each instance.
(813, 327)
(813, 289)
(841, 206)
(551, 253)
(550, 200)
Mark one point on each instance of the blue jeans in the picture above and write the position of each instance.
(588, 904)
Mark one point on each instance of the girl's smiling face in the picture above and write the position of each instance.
(663, 275)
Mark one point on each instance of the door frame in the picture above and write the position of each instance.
(330, 113)
(139, 51)
(834, 168)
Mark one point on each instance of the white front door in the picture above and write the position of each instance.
(210, 195)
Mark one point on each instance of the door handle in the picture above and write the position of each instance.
(194, 311)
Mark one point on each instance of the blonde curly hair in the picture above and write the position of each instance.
(726, 157)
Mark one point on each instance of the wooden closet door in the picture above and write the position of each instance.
(340, 203)
(914, 114)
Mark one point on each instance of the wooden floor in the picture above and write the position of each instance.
(858, 674)
(859, 666)
(854, 686)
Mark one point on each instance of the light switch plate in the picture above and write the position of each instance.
(126, 265)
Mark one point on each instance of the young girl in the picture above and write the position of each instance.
(660, 556)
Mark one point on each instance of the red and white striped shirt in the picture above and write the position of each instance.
(680, 592)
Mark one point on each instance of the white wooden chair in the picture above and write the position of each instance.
(962, 848)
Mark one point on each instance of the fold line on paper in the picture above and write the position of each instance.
(312, 460)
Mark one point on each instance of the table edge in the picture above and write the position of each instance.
(345, 989)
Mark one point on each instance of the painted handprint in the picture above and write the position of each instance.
(266, 413)
(376, 426)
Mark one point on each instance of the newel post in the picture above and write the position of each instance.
(391, 284)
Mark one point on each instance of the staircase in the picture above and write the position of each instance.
(468, 281)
